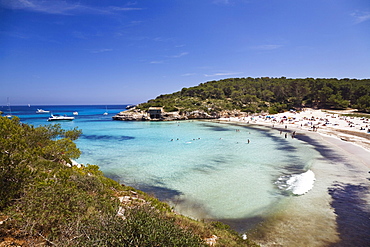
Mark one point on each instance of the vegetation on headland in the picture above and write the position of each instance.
(266, 94)
(44, 201)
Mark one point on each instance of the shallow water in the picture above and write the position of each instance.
(209, 170)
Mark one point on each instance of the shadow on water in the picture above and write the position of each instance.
(112, 176)
(353, 214)
(213, 164)
(242, 225)
(295, 164)
(215, 127)
(296, 167)
(162, 193)
(325, 151)
(281, 141)
(106, 137)
(204, 168)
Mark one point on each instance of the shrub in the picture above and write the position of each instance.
(46, 202)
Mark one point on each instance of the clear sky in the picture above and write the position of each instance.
(120, 52)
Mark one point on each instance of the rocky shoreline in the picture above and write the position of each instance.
(139, 115)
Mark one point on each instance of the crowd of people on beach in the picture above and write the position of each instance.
(331, 123)
(308, 119)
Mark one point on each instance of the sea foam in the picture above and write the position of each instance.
(300, 184)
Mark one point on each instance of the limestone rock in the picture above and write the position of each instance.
(132, 115)
(138, 115)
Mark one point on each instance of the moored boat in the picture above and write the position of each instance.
(60, 118)
(106, 111)
(42, 111)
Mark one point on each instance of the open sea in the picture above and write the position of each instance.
(241, 175)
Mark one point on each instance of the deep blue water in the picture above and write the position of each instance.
(85, 112)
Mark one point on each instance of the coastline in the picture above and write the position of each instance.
(341, 193)
(300, 225)
(355, 130)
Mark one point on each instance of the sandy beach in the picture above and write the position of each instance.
(336, 212)
(351, 129)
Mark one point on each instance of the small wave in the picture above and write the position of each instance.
(298, 184)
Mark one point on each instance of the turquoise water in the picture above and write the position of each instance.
(208, 170)
(204, 169)
(207, 164)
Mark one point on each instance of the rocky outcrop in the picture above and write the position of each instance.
(137, 115)
(172, 116)
(132, 115)
(233, 113)
(200, 115)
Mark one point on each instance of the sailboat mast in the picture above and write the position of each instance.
(9, 115)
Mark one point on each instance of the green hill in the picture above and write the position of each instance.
(266, 94)
(44, 201)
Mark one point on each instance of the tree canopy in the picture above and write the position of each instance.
(26, 149)
(268, 94)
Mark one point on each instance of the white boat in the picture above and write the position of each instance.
(75, 113)
(42, 111)
(60, 118)
(9, 115)
(106, 111)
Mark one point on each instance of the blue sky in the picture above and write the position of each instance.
(120, 52)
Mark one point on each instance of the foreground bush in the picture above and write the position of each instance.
(45, 201)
